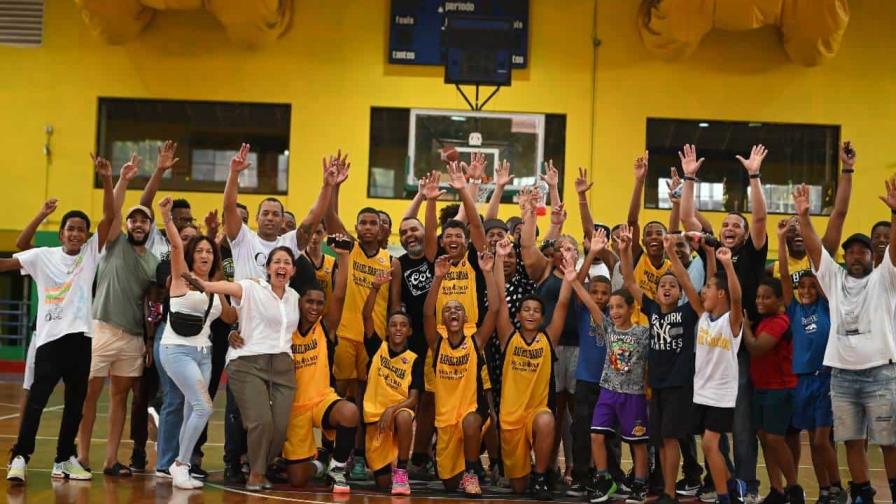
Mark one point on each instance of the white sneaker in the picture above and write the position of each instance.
(70, 469)
(16, 469)
(180, 477)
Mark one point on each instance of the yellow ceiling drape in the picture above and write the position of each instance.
(811, 30)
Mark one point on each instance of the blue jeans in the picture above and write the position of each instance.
(745, 442)
(171, 414)
(190, 368)
(864, 402)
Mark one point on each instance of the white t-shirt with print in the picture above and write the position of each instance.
(157, 243)
(250, 252)
(64, 288)
(862, 330)
(715, 363)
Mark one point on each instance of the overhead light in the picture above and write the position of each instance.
(458, 118)
(703, 125)
(286, 152)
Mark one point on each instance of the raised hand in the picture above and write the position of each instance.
(569, 268)
(690, 165)
(801, 199)
(558, 215)
(476, 169)
(240, 160)
(625, 237)
(502, 174)
(165, 208)
(598, 240)
(641, 167)
(443, 264)
(782, 228)
(129, 170)
(457, 180)
(49, 207)
(486, 261)
(890, 198)
(757, 154)
(342, 167)
(551, 175)
(166, 157)
(582, 185)
(103, 166)
(674, 185)
(382, 279)
(429, 186)
(341, 239)
(723, 254)
(669, 244)
(847, 155)
(503, 248)
(212, 223)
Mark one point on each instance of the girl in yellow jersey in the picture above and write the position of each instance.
(394, 383)
(527, 378)
(316, 404)
(460, 403)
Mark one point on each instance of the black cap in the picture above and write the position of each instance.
(857, 238)
(490, 224)
(514, 222)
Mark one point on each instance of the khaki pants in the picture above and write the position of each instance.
(264, 387)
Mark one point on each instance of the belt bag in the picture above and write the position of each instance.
(187, 324)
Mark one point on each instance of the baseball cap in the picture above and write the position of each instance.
(490, 224)
(857, 238)
(138, 208)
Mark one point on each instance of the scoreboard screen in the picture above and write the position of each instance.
(416, 27)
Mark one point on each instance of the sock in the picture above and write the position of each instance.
(319, 468)
(403, 464)
(345, 441)
(327, 444)
(470, 466)
(419, 459)
(723, 499)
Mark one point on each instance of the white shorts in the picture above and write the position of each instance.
(565, 368)
(29, 362)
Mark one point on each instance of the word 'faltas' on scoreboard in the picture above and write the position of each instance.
(417, 27)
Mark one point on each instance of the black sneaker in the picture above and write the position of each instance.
(577, 490)
(540, 489)
(233, 475)
(638, 494)
(687, 488)
(775, 497)
(795, 494)
(197, 472)
(863, 494)
(664, 498)
(138, 461)
(623, 488)
(604, 487)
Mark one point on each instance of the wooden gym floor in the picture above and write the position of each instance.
(40, 488)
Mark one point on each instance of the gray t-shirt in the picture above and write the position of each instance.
(626, 361)
(123, 278)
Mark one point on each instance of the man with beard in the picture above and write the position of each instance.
(860, 349)
(748, 243)
(125, 274)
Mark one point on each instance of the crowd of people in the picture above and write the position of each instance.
(478, 338)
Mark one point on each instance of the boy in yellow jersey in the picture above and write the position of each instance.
(460, 403)
(527, 379)
(316, 404)
(394, 384)
(323, 264)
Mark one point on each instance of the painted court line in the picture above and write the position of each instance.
(16, 415)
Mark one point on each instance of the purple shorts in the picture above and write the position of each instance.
(621, 413)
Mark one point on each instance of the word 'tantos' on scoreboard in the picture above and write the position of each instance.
(417, 27)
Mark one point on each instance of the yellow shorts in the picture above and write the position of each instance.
(450, 448)
(381, 447)
(300, 443)
(429, 373)
(516, 448)
(350, 361)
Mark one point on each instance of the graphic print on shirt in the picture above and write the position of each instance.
(418, 279)
(54, 296)
(666, 332)
(705, 337)
(621, 351)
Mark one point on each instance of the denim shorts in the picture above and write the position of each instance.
(864, 400)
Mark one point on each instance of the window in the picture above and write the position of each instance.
(407, 143)
(797, 153)
(208, 135)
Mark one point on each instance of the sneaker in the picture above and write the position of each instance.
(197, 472)
(163, 473)
(233, 475)
(664, 498)
(861, 494)
(638, 494)
(425, 472)
(358, 471)
(603, 488)
(16, 469)
(838, 496)
(70, 469)
(400, 484)
(707, 493)
(577, 490)
(470, 485)
(180, 477)
(138, 461)
(753, 497)
(623, 490)
(336, 476)
(152, 424)
(540, 489)
(774, 497)
(687, 488)
(795, 494)
(824, 498)
(737, 490)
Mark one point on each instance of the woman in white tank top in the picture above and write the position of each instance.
(187, 358)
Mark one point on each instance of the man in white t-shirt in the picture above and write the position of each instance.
(64, 277)
(861, 348)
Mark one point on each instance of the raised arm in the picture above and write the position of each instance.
(596, 315)
(757, 196)
(431, 192)
(127, 173)
(23, 241)
(331, 218)
(810, 237)
(690, 165)
(551, 177)
(582, 187)
(306, 228)
(534, 261)
(682, 275)
(558, 319)
(233, 222)
(834, 231)
(502, 178)
(110, 215)
(367, 312)
(473, 174)
(734, 293)
(558, 217)
(596, 247)
(628, 269)
(340, 283)
(459, 184)
(710, 256)
(503, 322)
(890, 201)
(674, 185)
(634, 206)
(783, 268)
(178, 262)
(487, 328)
(442, 265)
(164, 162)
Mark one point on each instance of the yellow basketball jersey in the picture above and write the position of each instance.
(525, 378)
(324, 276)
(312, 366)
(647, 277)
(459, 284)
(388, 381)
(457, 380)
(362, 271)
(797, 267)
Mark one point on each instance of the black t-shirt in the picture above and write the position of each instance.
(304, 276)
(372, 346)
(670, 359)
(549, 292)
(416, 279)
(749, 264)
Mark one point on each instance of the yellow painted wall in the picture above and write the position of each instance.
(331, 67)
